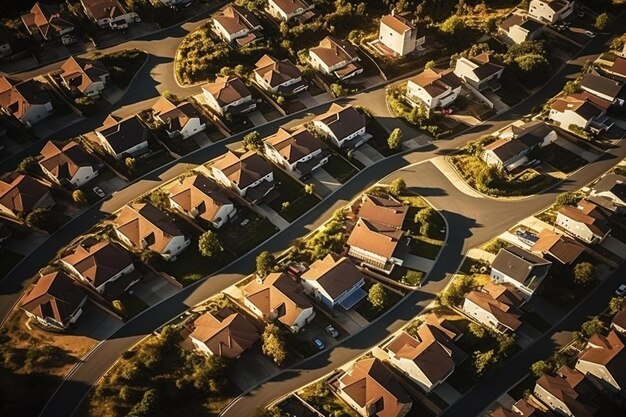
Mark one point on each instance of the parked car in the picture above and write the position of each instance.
(98, 191)
(590, 34)
(621, 290)
(319, 344)
(526, 237)
(580, 14)
(332, 331)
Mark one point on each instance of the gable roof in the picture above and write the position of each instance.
(374, 387)
(500, 302)
(55, 295)
(384, 210)
(519, 264)
(243, 169)
(64, 161)
(104, 9)
(123, 134)
(564, 249)
(397, 23)
(294, 146)
(21, 195)
(485, 65)
(619, 67)
(560, 388)
(17, 97)
(174, 117)
(520, 20)
(612, 183)
(278, 293)
(584, 108)
(334, 274)
(141, 222)
(331, 51)
(227, 90)
(276, 72)
(200, 193)
(234, 18)
(227, 334)
(588, 216)
(81, 73)
(342, 120)
(607, 351)
(99, 262)
(602, 85)
(620, 318)
(48, 20)
(375, 238)
(291, 6)
(508, 148)
(437, 81)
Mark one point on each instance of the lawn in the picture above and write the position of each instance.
(340, 169)
(365, 308)
(122, 65)
(292, 193)
(190, 265)
(562, 159)
(133, 305)
(9, 260)
(145, 165)
(425, 247)
(379, 137)
(407, 276)
(239, 238)
(320, 397)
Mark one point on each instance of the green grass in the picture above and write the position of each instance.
(293, 193)
(320, 397)
(562, 159)
(189, 266)
(495, 245)
(425, 247)
(379, 138)
(339, 168)
(122, 65)
(9, 260)
(240, 239)
(365, 308)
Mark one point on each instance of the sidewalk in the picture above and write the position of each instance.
(442, 165)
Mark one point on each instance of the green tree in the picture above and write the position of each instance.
(584, 273)
(377, 296)
(430, 64)
(253, 142)
(601, 21)
(151, 258)
(160, 199)
(131, 163)
(274, 344)
(616, 304)
(532, 64)
(478, 330)
(571, 87)
(147, 407)
(482, 362)
(425, 218)
(540, 368)
(453, 25)
(591, 327)
(265, 263)
(309, 189)
(395, 139)
(209, 245)
(79, 197)
(40, 218)
(567, 199)
(338, 90)
(28, 165)
(397, 187)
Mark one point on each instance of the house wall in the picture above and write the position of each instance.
(540, 10)
(224, 34)
(302, 320)
(36, 113)
(479, 314)
(100, 289)
(551, 401)
(265, 85)
(278, 13)
(200, 346)
(611, 196)
(192, 127)
(599, 94)
(567, 118)
(269, 177)
(338, 141)
(401, 43)
(413, 371)
(223, 215)
(600, 372)
(501, 277)
(82, 176)
(175, 246)
(52, 323)
(368, 257)
(577, 229)
(518, 34)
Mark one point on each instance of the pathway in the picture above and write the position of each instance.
(588, 156)
(460, 184)
(418, 263)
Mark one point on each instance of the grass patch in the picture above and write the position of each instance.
(495, 245)
(190, 265)
(562, 159)
(239, 238)
(339, 168)
(9, 260)
(122, 65)
(320, 397)
(292, 193)
(379, 138)
(365, 308)
(424, 247)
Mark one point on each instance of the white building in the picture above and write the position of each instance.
(344, 125)
(479, 71)
(68, 165)
(518, 28)
(519, 268)
(299, 152)
(84, 77)
(584, 114)
(180, 120)
(237, 24)
(228, 95)
(376, 245)
(586, 222)
(495, 306)
(227, 334)
(248, 174)
(605, 88)
(286, 10)
(613, 187)
(279, 76)
(109, 14)
(27, 101)
(336, 57)
(399, 35)
(603, 361)
(434, 88)
(550, 11)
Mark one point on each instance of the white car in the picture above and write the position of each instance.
(98, 191)
(621, 290)
(590, 34)
(332, 331)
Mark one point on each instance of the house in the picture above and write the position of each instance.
(336, 57)
(377, 246)
(434, 88)
(226, 334)
(605, 88)
(23, 195)
(619, 321)
(550, 11)
(55, 302)
(334, 281)
(603, 361)
(480, 72)
(28, 101)
(144, 227)
(617, 68)
(47, 21)
(344, 125)
(586, 222)
(237, 24)
(248, 174)
(557, 247)
(496, 306)
(123, 137)
(228, 95)
(109, 14)
(515, 144)
(200, 197)
(518, 28)
(84, 77)
(279, 76)
(573, 112)
(180, 120)
(561, 393)
(519, 268)
(279, 297)
(399, 34)
(522, 408)
(286, 10)
(68, 165)
(372, 389)
(299, 152)
(613, 188)
(104, 266)
(383, 209)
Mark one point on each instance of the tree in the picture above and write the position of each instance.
(309, 189)
(151, 258)
(591, 327)
(478, 330)
(540, 368)
(160, 199)
(397, 187)
(265, 263)
(532, 65)
(119, 307)
(482, 362)
(28, 165)
(571, 87)
(130, 163)
(395, 139)
(584, 273)
(338, 90)
(253, 142)
(430, 64)
(377, 296)
(79, 197)
(274, 344)
(425, 218)
(567, 199)
(39, 218)
(453, 25)
(616, 304)
(601, 21)
(147, 407)
(267, 412)
(209, 245)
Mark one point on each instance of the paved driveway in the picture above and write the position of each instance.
(96, 323)
(616, 246)
(251, 368)
(367, 155)
(154, 288)
(418, 263)
(327, 183)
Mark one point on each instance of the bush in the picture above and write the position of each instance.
(209, 245)
(160, 199)
(397, 187)
(495, 246)
(395, 139)
(79, 197)
(253, 142)
(584, 273)
(426, 218)
(377, 296)
(28, 166)
(601, 21)
(455, 293)
(540, 368)
(265, 263)
(567, 199)
(413, 278)
(274, 344)
(40, 218)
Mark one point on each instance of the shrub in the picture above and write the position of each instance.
(28, 166)
(395, 139)
(377, 296)
(584, 273)
(274, 344)
(79, 197)
(209, 245)
(495, 245)
(265, 263)
(40, 218)
(397, 187)
(253, 142)
(425, 218)
(601, 21)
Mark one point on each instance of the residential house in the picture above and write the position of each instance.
(299, 152)
(519, 268)
(612, 187)
(619, 321)
(279, 76)
(399, 34)
(336, 57)
(200, 197)
(180, 120)
(334, 281)
(557, 247)
(383, 209)
(480, 72)
(586, 222)
(237, 24)
(144, 227)
(496, 306)
(522, 408)
(55, 302)
(104, 266)
(228, 95)
(605, 88)
(123, 137)
(28, 101)
(550, 11)
(226, 334)
(248, 174)
(22, 195)
(518, 28)
(617, 68)
(84, 77)
(561, 393)
(68, 165)
(47, 21)
(434, 88)
(377, 246)
(372, 389)
(344, 125)
(109, 14)
(286, 10)
(573, 112)
(603, 361)
(278, 297)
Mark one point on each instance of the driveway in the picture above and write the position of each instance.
(154, 288)
(418, 263)
(446, 392)
(616, 246)
(257, 118)
(367, 155)
(274, 217)
(96, 323)
(588, 156)
(251, 368)
(324, 182)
